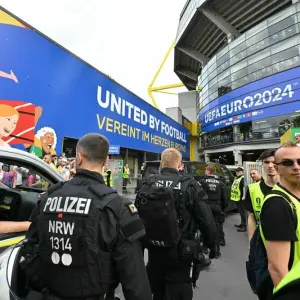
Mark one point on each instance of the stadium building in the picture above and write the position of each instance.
(242, 58)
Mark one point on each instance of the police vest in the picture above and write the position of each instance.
(70, 244)
(295, 205)
(235, 189)
(126, 172)
(257, 198)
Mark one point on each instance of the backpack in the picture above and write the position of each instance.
(161, 213)
(257, 265)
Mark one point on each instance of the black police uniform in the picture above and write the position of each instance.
(89, 241)
(169, 276)
(218, 200)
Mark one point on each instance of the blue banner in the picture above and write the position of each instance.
(47, 94)
(278, 94)
(113, 149)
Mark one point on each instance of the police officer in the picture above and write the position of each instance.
(237, 191)
(168, 271)
(217, 200)
(88, 237)
(280, 229)
(257, 191)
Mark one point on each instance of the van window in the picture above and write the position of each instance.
(227, 175)
(197, 170)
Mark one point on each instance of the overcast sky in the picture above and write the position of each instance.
(124, 39)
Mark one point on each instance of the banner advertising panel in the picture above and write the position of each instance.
(47, 93)
(278, 94)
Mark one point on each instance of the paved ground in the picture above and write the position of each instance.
(226, 278)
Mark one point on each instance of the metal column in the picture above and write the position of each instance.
(126, 156)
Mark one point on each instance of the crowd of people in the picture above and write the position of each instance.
(170, 210)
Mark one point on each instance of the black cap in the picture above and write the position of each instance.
(239, 169)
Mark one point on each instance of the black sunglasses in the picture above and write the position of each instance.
(289, 162)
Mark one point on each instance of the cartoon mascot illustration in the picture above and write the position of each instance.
(18, 121)
(44, 142)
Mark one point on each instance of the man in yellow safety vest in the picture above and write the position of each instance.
(257, 191)
(126, 174)
(237, 191)
(280, 226)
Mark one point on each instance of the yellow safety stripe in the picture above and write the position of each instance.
(5, 207)
(12, 241)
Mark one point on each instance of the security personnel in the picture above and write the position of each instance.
(126, 173)
(88, 238)
(280, 226)
(168, 273)
(217, 200)
(237, 191)
(107, 176)
(257, 191)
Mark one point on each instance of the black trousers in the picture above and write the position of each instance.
(169, 276)
(242, 212)
(217, 211)
(125, 182)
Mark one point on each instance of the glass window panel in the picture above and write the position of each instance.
(223, 59)
(212, 67)
(240, 56)
(212, 83)
(224, 86)
(224, 74)
(239, 74)
(205, 95)
(258, 46)
(225, 81)
(204, 82)
(286, 64)
(288, 43)
(263, 63)
(257, 38)
(205, 102)
(288, 22)
(211, 62)
(212, 75)
(237, 41)
(261, 73)
(237, 49)
(242, 81)
(283, 34)
(204, 74)
(239, 66)
(256, 30)
(286, 54)
(236, 85)
(222, 52)
(281, 15)
(212, 96)
(223, 67)
(258, 56)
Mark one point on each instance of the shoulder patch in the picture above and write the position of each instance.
(133, 210)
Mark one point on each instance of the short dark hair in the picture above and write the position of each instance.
(238, 169)
(94, 147)
(266, 154)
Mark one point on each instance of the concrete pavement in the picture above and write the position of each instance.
(226, 278)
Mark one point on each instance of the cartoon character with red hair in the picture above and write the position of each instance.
(9, 117)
